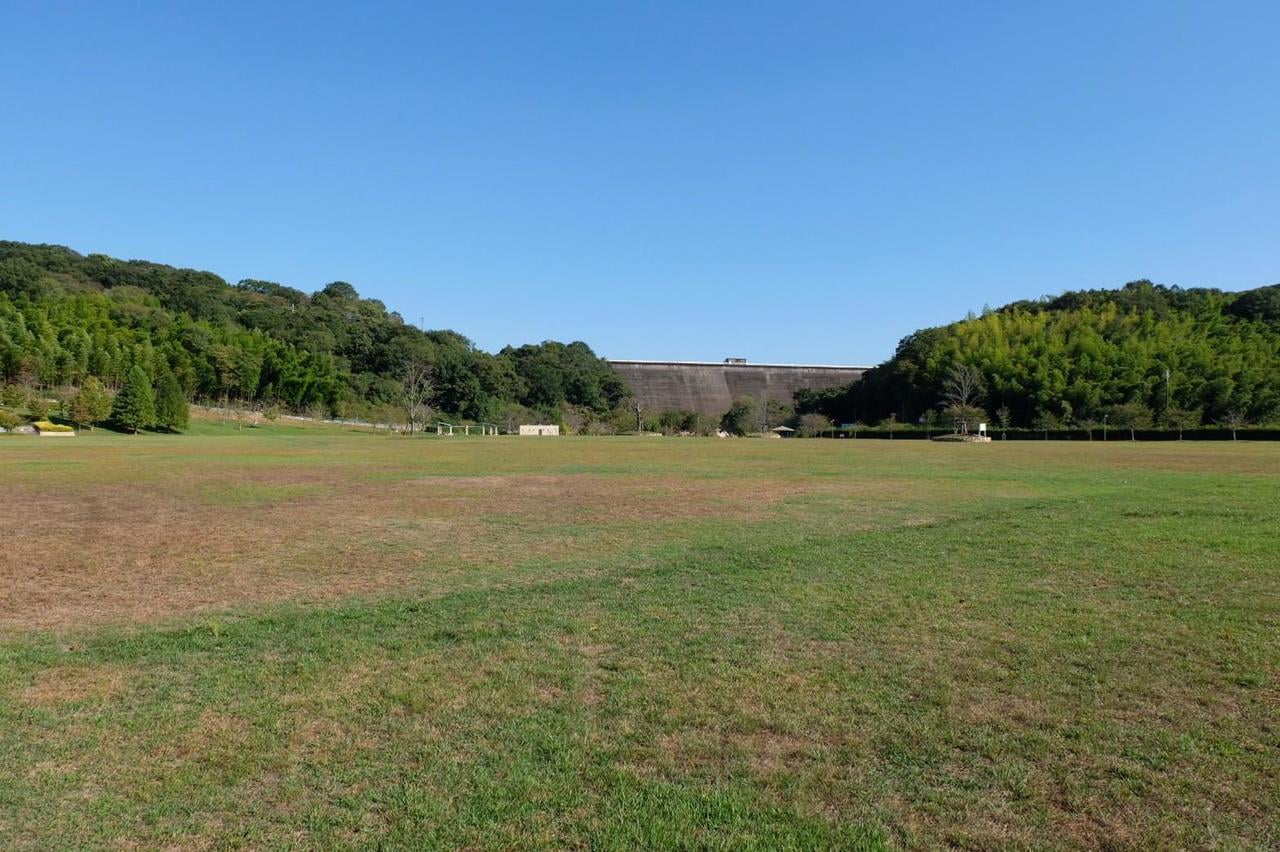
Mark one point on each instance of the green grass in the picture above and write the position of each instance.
(829, 644)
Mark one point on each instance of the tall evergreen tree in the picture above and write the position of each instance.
(171, 403)
(135, 405)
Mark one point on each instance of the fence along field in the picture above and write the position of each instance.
(314, 636)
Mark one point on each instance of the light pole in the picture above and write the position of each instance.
(1104, 427)
(1166, 396)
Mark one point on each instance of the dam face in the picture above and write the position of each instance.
(710, 387)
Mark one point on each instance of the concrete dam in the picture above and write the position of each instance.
(710, 387)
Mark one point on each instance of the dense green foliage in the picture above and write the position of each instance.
(171, 403)
(1073, 360)
(1085, 355)
(65, 317)
(92, 403)
(135, 405)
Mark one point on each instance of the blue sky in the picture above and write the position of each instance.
(802, 182)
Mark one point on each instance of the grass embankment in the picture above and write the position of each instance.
(303, 635)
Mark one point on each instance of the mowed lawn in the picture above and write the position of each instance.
(314, 637)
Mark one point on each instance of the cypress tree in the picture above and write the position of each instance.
(171, 403)
(135, 405)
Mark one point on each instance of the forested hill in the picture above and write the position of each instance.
(1078, 356)
(66, 316)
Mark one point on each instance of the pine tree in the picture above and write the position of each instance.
(92, 404)
(171, 403)
(135, 405)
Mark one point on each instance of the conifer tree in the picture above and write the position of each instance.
(171, 403)
(135, 405)
(92, 404)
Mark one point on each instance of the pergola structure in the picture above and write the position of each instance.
(485, 428)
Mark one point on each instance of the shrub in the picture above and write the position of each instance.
(46, 426)
(14, 396)
(9, 420)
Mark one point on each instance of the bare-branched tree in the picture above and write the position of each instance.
(416, 389)
(962, 391)
(1233, 419)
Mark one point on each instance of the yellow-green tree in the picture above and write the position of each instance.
(91, 404)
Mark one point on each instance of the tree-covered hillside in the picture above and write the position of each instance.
(65, 317)
(1082, 355)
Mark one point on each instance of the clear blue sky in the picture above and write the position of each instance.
(780, 181)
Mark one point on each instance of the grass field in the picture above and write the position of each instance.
(302, 636)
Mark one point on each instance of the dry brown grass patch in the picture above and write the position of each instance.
(166, 548)
(76, 684)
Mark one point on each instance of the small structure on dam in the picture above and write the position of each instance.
(710, 387)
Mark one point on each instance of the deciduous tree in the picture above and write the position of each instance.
(1004, 419)
(964, 386)
(416, 390)
(962, 417)
(1181, 418)
(812, 425)
(1132, 415)
(1046, 421)
(1233, 420)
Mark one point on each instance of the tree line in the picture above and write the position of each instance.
(66, 318)
(1142, 356)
